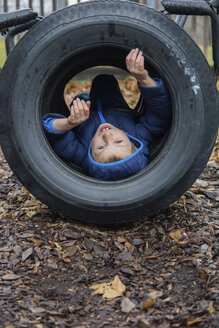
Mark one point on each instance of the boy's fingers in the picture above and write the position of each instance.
(72, 111)
(88, 103)
(138, 61)
(86, 112)
(134, 55)
(132, 60)
(79, 104)
(76, 110)
(141, 65)
(86, 109)
(129, 57)
(138, 57)
(84, 104)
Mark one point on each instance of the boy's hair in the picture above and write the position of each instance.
(120, 169)
(116, 158)
(112, 159)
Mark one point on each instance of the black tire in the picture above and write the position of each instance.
(102, 33)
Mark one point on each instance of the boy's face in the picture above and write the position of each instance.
(110, 141)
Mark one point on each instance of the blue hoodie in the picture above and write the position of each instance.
(74, 145)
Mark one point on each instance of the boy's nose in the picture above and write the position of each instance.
(107, 135)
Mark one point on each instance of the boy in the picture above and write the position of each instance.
(102, 134)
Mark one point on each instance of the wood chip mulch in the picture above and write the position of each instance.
(161, 272)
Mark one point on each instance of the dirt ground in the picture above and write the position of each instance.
(161, 272)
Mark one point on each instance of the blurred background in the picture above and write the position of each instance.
(197, 26)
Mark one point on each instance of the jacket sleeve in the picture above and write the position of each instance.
(64, 143)
(157, 118)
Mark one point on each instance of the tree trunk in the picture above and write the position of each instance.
(193, 26)
(31, 4)
(42, 7)
(157, 4)
(53, 5)
(5, 6)
(206, 36)
(17, 4)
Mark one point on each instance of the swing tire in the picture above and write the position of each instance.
(102, 33)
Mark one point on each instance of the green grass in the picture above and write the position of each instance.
(209, 55)
(2, 52)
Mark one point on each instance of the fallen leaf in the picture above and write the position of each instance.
(202, 275)
(148, 303)
(128, 245)
(8, 216)
(38, 242)
(71, 308)
(151, 257)
(177, 237)
(110, 290)
(121, 240)
(25, 191)
(210, 307)
(30, 214)
(159, 278)
(57, 245)
(36, 267)
(66, 260)
(192, 320)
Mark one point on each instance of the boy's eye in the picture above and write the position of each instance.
(100, 147)
(118, 141)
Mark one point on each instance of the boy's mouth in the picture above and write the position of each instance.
(105, 128)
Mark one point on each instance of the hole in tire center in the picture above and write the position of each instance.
(82, 81)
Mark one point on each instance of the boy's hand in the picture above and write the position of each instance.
(135, 65)
(80, 111)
